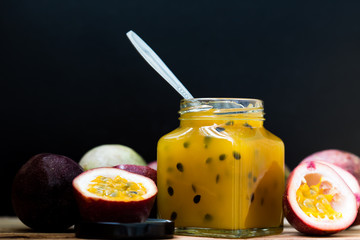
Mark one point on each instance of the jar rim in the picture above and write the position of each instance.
(222, 98)
(237, 102)
(223, 106)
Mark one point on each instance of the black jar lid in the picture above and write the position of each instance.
(152, 228)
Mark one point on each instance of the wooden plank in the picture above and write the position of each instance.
(11, 227)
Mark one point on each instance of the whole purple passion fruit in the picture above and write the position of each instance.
(345, 160)
(142, 170)
(153, 165)
(42, 194)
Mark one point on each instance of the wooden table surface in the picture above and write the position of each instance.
(12, 228)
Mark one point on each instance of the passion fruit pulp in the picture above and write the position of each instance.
(145, 171)
(114, 195)
(346, 164)
(317, 201)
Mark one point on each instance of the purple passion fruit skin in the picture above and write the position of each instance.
(102, 209)
(306, 224)
(42, 195)
(345, 160)
(142, 170)
(153, 165)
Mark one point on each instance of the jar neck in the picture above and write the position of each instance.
(211, 111)
(248, 123)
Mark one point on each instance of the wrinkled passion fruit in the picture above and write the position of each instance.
(317, 201)
(42, 194)
(114, 195)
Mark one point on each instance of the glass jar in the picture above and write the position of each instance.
(221, 173)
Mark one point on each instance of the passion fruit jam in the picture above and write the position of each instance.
(221, 173)
(117, 188)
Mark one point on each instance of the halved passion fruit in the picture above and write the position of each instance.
(114, 195)
(346, 164)
(317, 201)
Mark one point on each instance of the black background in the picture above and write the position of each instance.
(71, 80)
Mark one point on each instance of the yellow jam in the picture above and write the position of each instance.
(315, 202)
(221, 171)
(117, 188)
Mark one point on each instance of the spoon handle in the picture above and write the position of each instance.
(153, 59)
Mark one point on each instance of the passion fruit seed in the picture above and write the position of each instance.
(254, 179)
(217, 178)
(229, 123)
(315, 200)
(193, 188)
(220, 129)
(252, 197)
(208, 160)
(236, 155)
(117, 188)
(248, 125)
(170, 191)
(208, 217)
(222, 157)
(207, 140)
(186, 144)
(197, 199)
(180, 167)
(173, 216)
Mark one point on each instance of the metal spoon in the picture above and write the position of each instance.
(153, 59)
